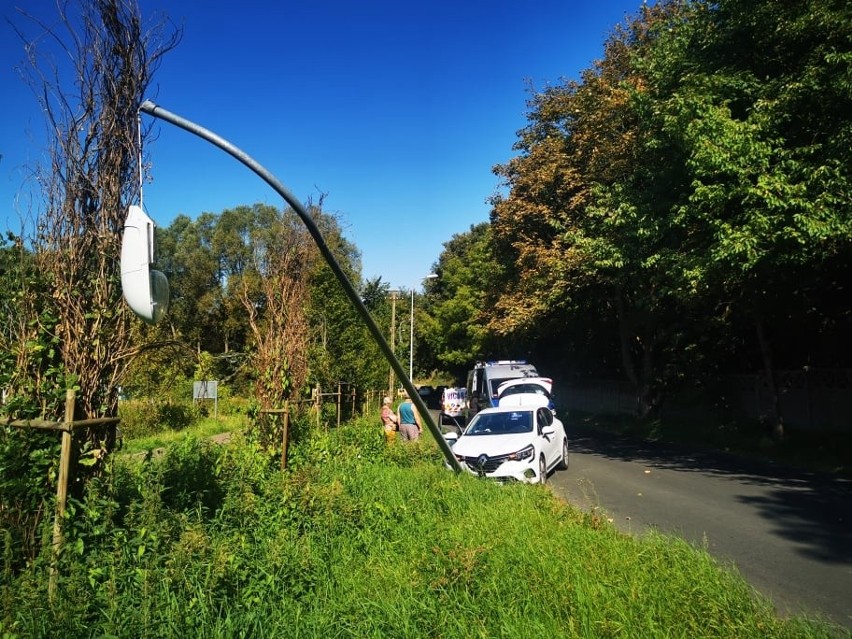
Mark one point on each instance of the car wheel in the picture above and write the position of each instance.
(542, 470)
(563, 463)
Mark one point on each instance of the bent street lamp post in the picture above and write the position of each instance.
(158, 112)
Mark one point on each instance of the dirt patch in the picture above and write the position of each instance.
(221, 438)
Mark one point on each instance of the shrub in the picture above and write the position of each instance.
(142, 418)
(28, 466)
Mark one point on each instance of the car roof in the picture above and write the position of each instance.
(545, 382)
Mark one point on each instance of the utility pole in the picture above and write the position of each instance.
(411, 342)
(391, 385)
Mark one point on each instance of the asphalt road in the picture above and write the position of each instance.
(788, 532)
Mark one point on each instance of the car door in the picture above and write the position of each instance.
(550, 443)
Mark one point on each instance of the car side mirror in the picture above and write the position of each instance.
(548, 430)
(451, 438)
(145, 290)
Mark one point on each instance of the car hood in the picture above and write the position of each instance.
(491, 445)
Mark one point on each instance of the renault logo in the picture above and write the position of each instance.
(481, 461)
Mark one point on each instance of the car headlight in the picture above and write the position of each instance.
(524, 453)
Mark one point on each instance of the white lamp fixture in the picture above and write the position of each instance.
(145, 290)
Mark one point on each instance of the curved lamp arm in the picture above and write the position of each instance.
(158, 112)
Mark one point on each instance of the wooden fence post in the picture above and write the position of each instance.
(339, 390)
(61, 490)
(318, 403)
(285, 435)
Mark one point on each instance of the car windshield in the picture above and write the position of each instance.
(534, 389)
(503, 423)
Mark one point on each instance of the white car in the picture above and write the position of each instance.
(526, 391)
(512, 443)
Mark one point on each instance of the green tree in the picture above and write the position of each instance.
(586, 224)
(376, 295)
(32, 380)
(170, 350)
(693, 182)
(342, 348)
(453, 325)
(758, 108)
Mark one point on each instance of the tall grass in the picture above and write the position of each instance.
(358, 539)
(200, 428)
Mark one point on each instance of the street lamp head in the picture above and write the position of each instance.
(145, 289)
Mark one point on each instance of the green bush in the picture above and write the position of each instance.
(28, 466)
(230, 405)
(142, 418)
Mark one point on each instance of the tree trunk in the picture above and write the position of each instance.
(775, 416)
(647, 397)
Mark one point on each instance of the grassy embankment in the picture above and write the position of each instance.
(358, 539)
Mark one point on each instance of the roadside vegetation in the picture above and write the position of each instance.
(357, 539)
(204, 428)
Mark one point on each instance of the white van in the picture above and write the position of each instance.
(453, 406)
(486, 377)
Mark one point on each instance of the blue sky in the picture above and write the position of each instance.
(396, 111)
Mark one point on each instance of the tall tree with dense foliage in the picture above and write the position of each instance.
(454, 322)
(186, 254)
(376, 295)
(218, 263)
(697, 174)
(758, 104)
(342, 348)
(585, 226)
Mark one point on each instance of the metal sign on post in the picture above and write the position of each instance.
(207, 389)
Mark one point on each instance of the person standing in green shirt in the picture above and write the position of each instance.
(410, 426)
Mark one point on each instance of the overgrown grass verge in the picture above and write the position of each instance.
(358, 539)
(200, 429)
